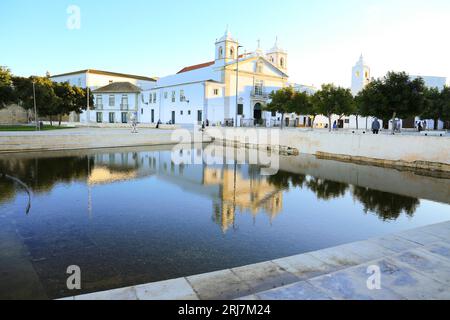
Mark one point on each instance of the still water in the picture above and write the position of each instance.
(131, 216)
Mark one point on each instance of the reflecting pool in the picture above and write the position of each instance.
(132, 215)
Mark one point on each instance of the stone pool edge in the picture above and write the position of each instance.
(313, 275)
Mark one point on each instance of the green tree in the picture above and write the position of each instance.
(281, 102)
(333, 100)
(81, 99)
(46, 100)
(445, 96)
(66, 94)
(302, 104)
(396, 95)
(436, 105)
(7, 95)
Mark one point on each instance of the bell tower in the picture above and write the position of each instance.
(277, 56)
(360, 76)
(226, 49)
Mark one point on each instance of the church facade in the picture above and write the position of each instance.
(231, 89)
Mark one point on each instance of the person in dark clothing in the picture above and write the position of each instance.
(376, 126)
(419, 127)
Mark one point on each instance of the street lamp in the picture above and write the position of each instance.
(35, 108)
(237, 84)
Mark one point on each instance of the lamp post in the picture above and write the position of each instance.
(88, 113)
(237, 85)
(35, 108)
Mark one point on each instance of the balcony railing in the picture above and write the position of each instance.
(259, 94)
(124, 106)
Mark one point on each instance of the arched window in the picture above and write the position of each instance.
(220, 52)
(232, 52)
(282, 62)
(272, 59)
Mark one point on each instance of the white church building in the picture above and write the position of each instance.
(223, 91)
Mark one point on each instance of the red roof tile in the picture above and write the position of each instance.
(197, 66)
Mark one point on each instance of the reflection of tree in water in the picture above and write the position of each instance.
(387, 206)
(7, 189)
(41, 174)
(284, 180)
(326, 189)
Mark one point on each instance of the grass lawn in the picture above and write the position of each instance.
(31, 128)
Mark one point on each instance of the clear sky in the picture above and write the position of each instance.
(324, 38)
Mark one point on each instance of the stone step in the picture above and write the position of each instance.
(420, 272)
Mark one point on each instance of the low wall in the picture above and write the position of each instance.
(412, 151)
(73, 139)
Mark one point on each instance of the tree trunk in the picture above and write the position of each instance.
(436, 124)
(329, 123)
(51, 121)
(59, 122)
(393, 122)
(312, 124)
(357, 124)
(282, 121)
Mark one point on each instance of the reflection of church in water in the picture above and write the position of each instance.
(233, 188)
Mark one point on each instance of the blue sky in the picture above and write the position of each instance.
(324, 38)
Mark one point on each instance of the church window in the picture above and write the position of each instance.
(259, 84)
(182, 97)
(220, 52)
(216, 92)
(173, 96)
(154, 97)
(282, 62)
(189, 112)
(231, 52)
(165, 95)
(181, 112)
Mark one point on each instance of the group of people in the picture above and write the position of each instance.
(421, 126)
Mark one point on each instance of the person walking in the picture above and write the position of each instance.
(419, 127)
(134, 123)
(376, 126)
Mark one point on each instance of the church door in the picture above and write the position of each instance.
(257, 113)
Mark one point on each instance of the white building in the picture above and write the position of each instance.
(116, 102)
(95, 79)
(206, 92)
(432, 81)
